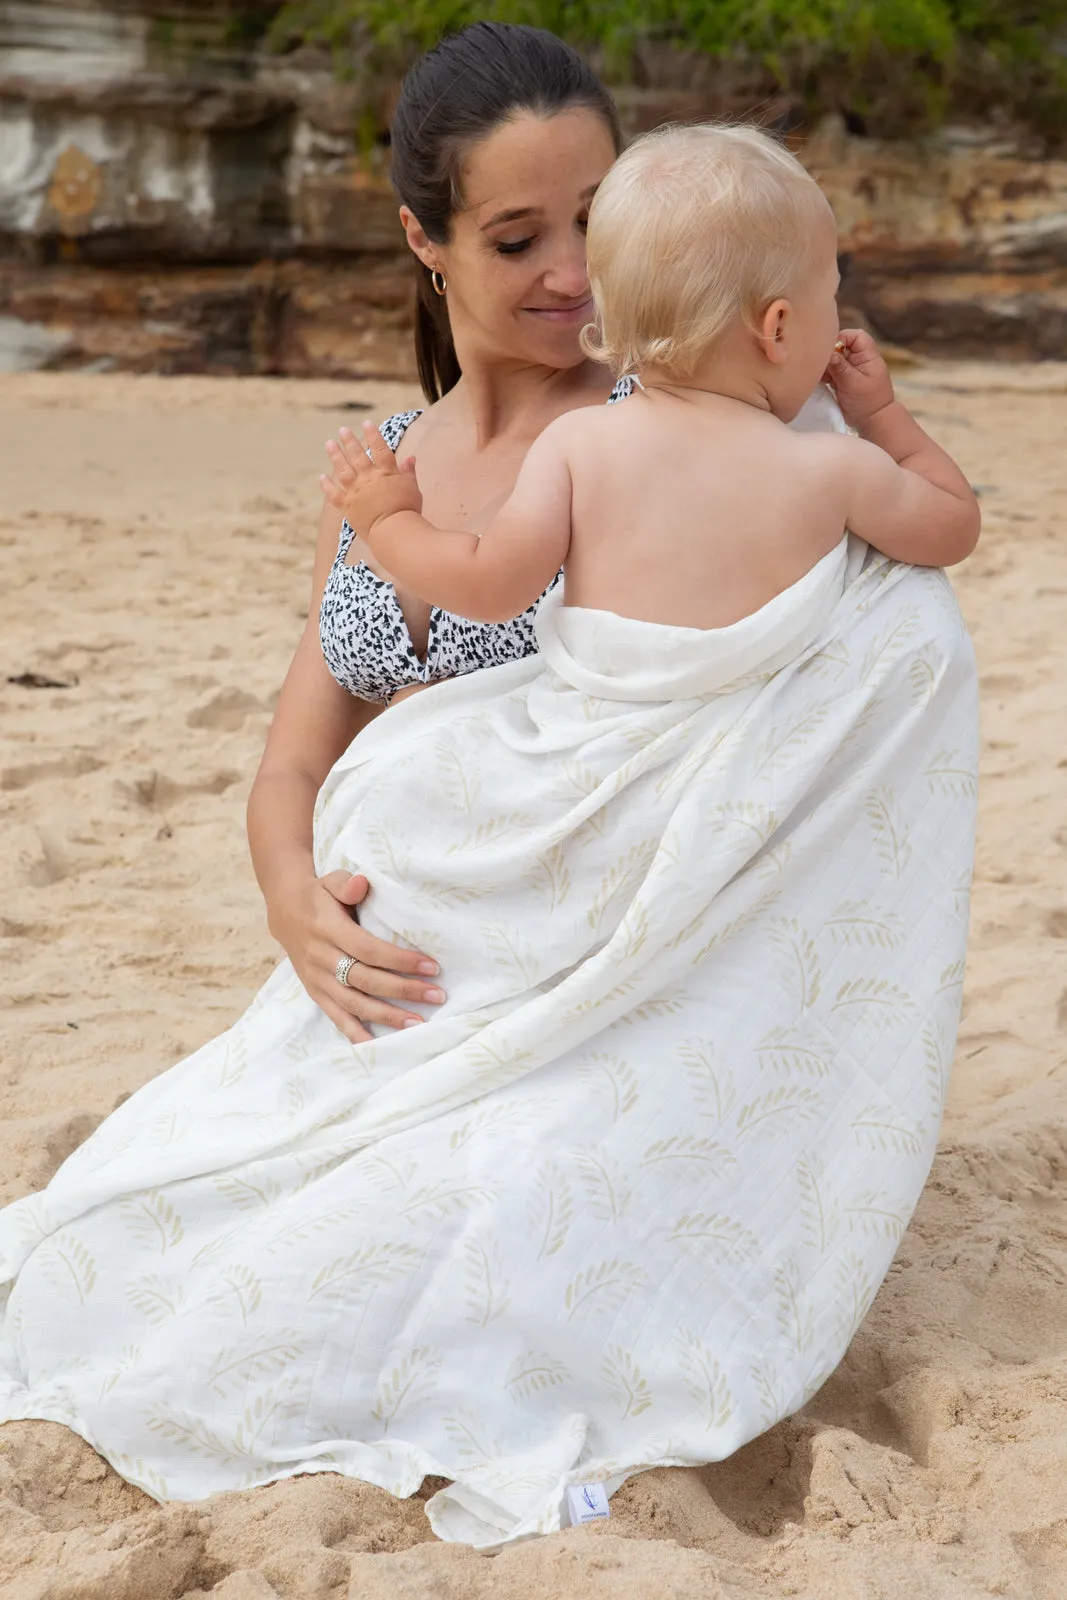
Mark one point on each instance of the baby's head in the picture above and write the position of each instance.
(698, 234)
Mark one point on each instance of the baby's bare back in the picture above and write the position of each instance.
(695, 513)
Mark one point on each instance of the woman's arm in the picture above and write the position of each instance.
(488, 578)
(312, 918)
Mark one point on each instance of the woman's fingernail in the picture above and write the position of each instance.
(413, 1022)
(429, 969)
(434, 996)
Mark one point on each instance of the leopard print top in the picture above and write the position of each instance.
(365, 640)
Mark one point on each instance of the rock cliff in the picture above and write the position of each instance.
(173, 198)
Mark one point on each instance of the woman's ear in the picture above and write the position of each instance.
(775, 327)
(417, 238)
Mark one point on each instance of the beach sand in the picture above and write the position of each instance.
(155, 544)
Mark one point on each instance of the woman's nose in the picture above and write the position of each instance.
(567, 275)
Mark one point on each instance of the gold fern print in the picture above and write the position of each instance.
(470, 1445)
(651, 1011)
(607, 1194)
(532, 1373)
(158, 1299)
(602, 1288)
(890, 834)
(873, 1214)
(951, 773)
(881, 1127)
(235, 1367)
(153, 1221)
(436, 1201)
(410, 1381)
(234, 1059)
(502, 1115)
(241, 1287)
(492, 831)
(70, 1266)
(786, 1105)
(883, 1004)
(855, 1292)
(712, 1084)
(856, 922)
(370, 1268)
(753, 823)
(764, 1375)
(619, 1077)
(784, 743)
(460, 787)
(799, 962)
(279, 1403)
(247, 1194)
(618, 879)
(552, 875)
(131, 1354)
(889, 644)
(937, 1066)
(818, 1209)
(551, 1210)
(509, 952)
(687, 1147)
(787, 1050)
(712, 1231)
(625, 1383)
(794, 1313)
(486, 1287)
(704, 1380)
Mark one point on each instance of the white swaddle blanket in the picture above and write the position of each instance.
(700, 900)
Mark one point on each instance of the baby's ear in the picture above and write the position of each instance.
(773, 331)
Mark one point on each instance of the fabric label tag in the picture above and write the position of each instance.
(586, 1502)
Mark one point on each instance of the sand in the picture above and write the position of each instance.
(155, 541)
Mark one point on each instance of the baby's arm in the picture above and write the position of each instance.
(489, 579)
(913, 500)
(906, 497)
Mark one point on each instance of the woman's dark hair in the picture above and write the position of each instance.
(454, 96)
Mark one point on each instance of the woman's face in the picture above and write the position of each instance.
(515, 264)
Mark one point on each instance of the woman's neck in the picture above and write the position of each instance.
(518, 402)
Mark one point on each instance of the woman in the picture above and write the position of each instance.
(600, 1216)
(515, 122)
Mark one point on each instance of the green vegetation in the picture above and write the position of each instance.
(896, 63)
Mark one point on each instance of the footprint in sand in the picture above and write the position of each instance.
(75, 765)
(226, 710)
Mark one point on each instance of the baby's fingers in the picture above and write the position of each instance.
(332, 491)
(377, 448)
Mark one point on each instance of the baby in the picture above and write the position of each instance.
(713, 264)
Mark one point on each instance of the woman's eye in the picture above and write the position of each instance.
(515, 248)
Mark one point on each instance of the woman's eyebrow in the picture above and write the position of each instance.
(508, 216)
(527, 211)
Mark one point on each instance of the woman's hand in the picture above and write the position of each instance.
(314, 924)
(367, 484)
(859, 377)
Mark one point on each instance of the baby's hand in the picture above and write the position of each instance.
(859, 377)
(366, 483)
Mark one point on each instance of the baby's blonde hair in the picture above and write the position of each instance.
(692, 229)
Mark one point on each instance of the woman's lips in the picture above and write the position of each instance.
(582, 311)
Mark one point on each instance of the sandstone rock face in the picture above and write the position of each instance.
(957, 242)
(172, 198)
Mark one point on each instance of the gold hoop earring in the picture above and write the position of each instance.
(439, 281)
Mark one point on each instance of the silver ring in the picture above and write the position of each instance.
(342, 969)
